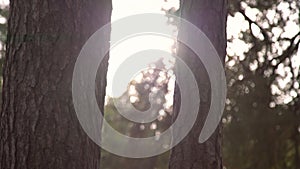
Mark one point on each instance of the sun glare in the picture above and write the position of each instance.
(135, 44)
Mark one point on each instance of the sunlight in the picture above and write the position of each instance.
(4, 3)
(127, 48)
(132, 45)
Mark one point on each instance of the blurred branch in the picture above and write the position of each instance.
(266, 40)
(288, 52)
(250, 21)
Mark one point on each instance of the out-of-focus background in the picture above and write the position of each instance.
(261, 122)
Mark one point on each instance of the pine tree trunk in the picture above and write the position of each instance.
(39, 128)
(210, 16)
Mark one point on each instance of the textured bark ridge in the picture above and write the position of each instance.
(39, 128)
(210, 17)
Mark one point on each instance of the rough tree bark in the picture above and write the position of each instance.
(39, 128)
(210, 17)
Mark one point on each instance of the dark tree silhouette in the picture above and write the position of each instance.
(39, 128)
(209, 16)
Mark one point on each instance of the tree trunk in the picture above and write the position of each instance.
(209, 16)
(39, 127)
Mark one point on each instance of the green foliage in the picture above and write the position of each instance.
(153, 84)
(262, 117)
